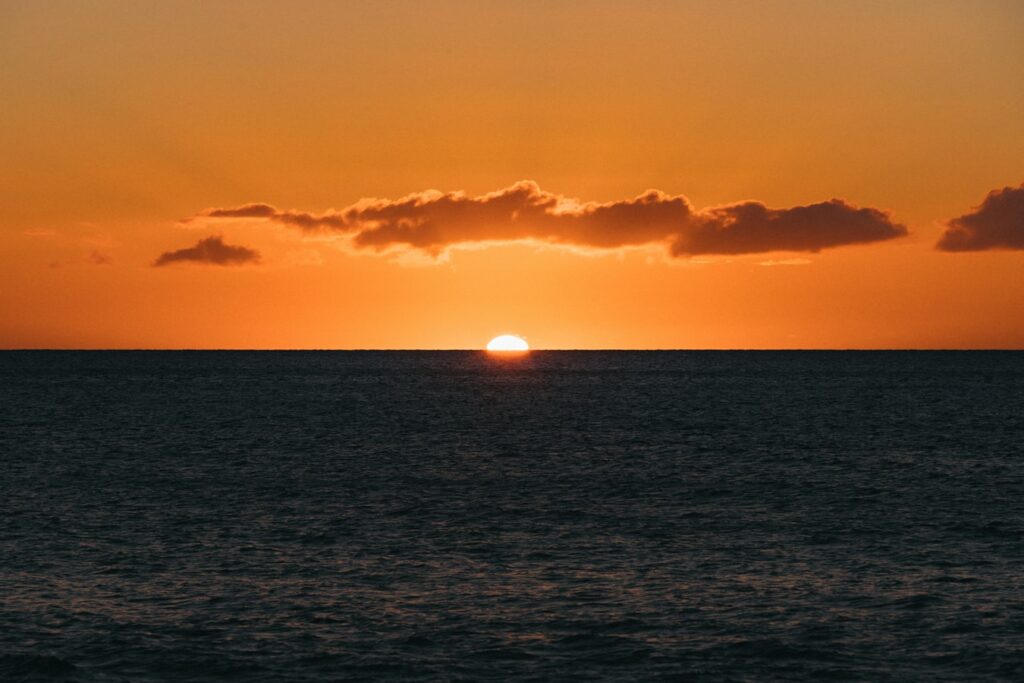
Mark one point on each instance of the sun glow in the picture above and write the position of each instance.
(508, 343)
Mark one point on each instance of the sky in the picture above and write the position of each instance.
(664, 175)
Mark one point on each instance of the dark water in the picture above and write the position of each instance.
(448, 516)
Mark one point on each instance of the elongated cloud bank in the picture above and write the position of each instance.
(998, 223)
(432, 221)
(211, 251)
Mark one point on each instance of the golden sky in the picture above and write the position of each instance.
(588, 175)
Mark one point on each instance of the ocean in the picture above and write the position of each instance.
(444, 516)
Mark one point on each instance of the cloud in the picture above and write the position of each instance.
(998, 223)
(298, 219)
(211, 250)
(433, 221)
(98, 258)
(751, 228)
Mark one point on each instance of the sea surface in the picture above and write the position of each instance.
(444, 516)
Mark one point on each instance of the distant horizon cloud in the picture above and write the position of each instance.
(211, 251)
(996, 223)
(434, 221)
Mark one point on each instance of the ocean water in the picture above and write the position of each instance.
(323, 516)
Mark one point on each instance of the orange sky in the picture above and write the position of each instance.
(121, 121)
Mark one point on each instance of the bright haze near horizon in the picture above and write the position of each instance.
(601, 175)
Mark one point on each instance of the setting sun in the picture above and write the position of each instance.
(508, 342)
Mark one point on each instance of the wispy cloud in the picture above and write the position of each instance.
(298, 219)
(41, 232)
(786, 262)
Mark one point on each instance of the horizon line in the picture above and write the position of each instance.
(484, 350)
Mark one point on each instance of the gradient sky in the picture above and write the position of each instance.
(128, 130)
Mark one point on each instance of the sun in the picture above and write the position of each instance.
(508, 343)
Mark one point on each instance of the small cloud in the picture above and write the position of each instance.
(245, 211)
(211, 251)
(98, 258)
(998, 223)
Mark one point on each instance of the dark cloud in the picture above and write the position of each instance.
(433, 221)
(211, 250)
(752, 227)
(997, 224)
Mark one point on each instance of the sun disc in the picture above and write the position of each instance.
(506, 343)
